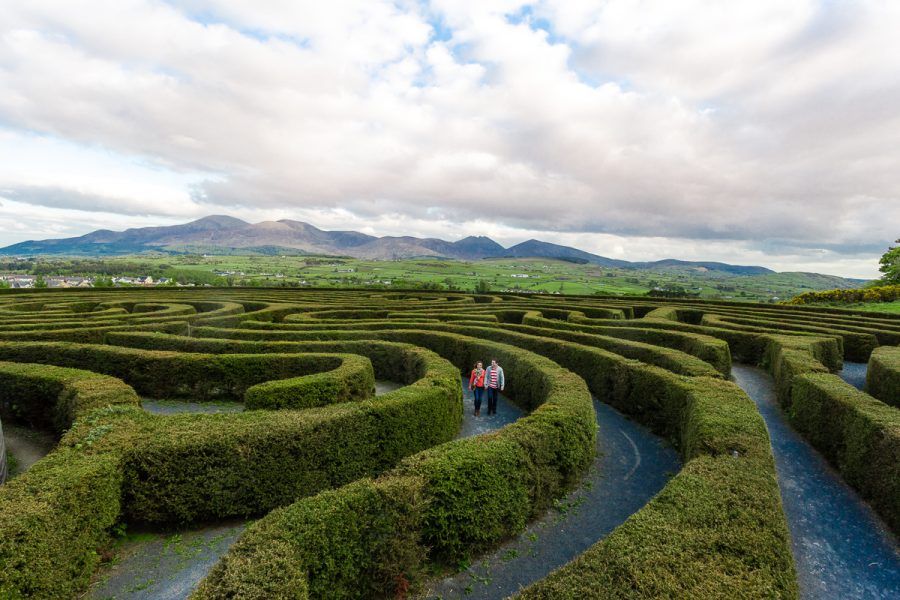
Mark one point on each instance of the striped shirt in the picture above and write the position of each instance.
(494, 377)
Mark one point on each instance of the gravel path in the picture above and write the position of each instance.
(841, 548)
(854, 374)
(26, 446)
(631, 466)
(171, 407)
(507, 412)
(164, 566)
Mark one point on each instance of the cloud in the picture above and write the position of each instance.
(764, 124)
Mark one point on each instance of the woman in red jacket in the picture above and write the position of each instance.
(476, 385)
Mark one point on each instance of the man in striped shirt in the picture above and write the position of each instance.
(494, 382)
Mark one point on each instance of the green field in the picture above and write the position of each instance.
(882, 307)
(532, 275)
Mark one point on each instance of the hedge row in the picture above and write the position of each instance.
(885, 293)
(443, 493)
(710, 420)
(48, 397)
(883, 376)
(858, 434)
(209, 376)
(716, 530)
(674, 360)
(705, 347)
(120, 462)
(858, 345)
(86, 335)
(4, 469)
(667, 358)
(54, 516)
(190, 467)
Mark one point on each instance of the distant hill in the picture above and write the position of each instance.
(228, 235)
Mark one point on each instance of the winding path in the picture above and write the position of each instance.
(841, 548)
(169, 565)
(854, 374)
(630, 467)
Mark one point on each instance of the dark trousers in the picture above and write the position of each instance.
(478, 392)
(492, 400)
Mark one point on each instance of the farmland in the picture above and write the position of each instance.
(530, 275)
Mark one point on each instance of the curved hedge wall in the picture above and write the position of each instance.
(883, 376)
(361, 495)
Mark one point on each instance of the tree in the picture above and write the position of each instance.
(39, 282)
(890, 265)
(482, 286)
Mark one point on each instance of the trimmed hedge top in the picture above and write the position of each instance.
(357, 494)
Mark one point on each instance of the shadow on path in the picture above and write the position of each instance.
(854, 374)
(630, 467)
(26, 446)
(840, 546)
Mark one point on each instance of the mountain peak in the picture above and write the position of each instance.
(224, 232)
(218, 222)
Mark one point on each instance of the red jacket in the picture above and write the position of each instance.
(475, 380)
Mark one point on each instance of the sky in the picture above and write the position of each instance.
(763, 132)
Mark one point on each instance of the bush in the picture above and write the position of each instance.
(55, 516)
(857, 434)
(885, 293)
(52, 398)
(883, 376)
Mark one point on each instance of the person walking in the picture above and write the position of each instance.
(494, 382)
(476, 385)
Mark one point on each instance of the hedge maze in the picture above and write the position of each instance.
(359, 495)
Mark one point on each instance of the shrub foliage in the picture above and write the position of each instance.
(357, 495)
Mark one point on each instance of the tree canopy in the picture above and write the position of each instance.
(890, 264)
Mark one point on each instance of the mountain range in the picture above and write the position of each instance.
(224, 234)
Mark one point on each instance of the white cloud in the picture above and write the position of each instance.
(646, 125)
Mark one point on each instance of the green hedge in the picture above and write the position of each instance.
(856, 433)
(857, 345)
(513, 474)
(86, 335)
(705, 347)
(883, 375)
(190, 467)
(208, 376)
(716, 530)
(711, 418)
(667, 358)
(55, 516)
(353, 379)
(49, 397)
(354, 542)
(120, 461)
